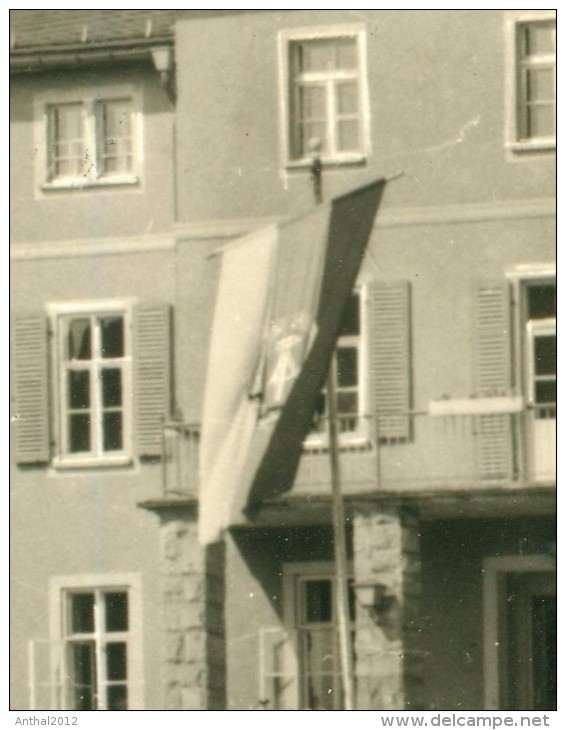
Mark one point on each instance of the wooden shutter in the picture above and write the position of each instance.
(492, 354)
(390, 354)
(30, 378)
(152, 367)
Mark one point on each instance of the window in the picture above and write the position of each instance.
(96, 649)
(93, 658)
(541, 347)
(325, 94)
(349, 387)
(520, 641)
(310, 597)
(89, 140)
(539, 302)
(94, 360)
(75, 373)
(533, 96)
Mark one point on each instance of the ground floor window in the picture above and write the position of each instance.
(93, 656)
(96, 649)
(311, 604)
(520, 633)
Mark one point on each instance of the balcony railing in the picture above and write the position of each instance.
(180, 446)
(438, 449)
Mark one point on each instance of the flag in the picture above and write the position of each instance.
(280, 302)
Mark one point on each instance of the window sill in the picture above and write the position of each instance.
(535, 145)
(351, 442)
(81, 183)
(355, 158)
(85, 462)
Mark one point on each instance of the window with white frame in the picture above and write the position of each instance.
(93, 657)
(325, 92)
(541, 347)
(310, 611)
(94, 383)
(534, 82)
(349, 356)
(89, 140)
(96, 638)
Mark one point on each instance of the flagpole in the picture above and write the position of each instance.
(338, 521)
(339, 528)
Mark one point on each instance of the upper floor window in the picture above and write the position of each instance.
(89, 140)
(94, 384)
(325, 92)
(75, 375)
(350, 388)
(533, 96)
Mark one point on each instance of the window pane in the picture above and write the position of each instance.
(116, 611)
(347, 98)
(540, 84)
(82, 613)
(82, 670)
(319, 423)
(318, 55)
(79, 339)
(112, 429)
(348, 135)
(321, 692)
(346, 53)
(312, 131)
(116, 122)
(66, 146)
(351, 319)
(318, 601)
(312, 102)
(539, 38)
(347, 358)
(112, 336)
(545, 355)
(542, 301)
(116, 664)
(540, 121)
(117, 697)
(545, 391)
(79, 432)
(117, 118)
(66, 122)
(111, 387)
(79, 384)
(347, 404)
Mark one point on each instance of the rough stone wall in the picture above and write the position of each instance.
(193, 619)
(387, 555)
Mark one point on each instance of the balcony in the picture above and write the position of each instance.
(495, 444)
(180, 446)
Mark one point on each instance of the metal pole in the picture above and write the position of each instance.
(341, 566)
(338, 522)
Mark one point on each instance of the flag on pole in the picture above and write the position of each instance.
(279, 308)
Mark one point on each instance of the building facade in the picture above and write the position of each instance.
(142, 142)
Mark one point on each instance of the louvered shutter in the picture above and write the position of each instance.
(390, 354)
(152, 367)
(30, 379)
(492, 352)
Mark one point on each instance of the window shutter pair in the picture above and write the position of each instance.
(31, 380)
(492, 376)
(390, 359)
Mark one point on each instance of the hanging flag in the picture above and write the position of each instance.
(280, 303)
